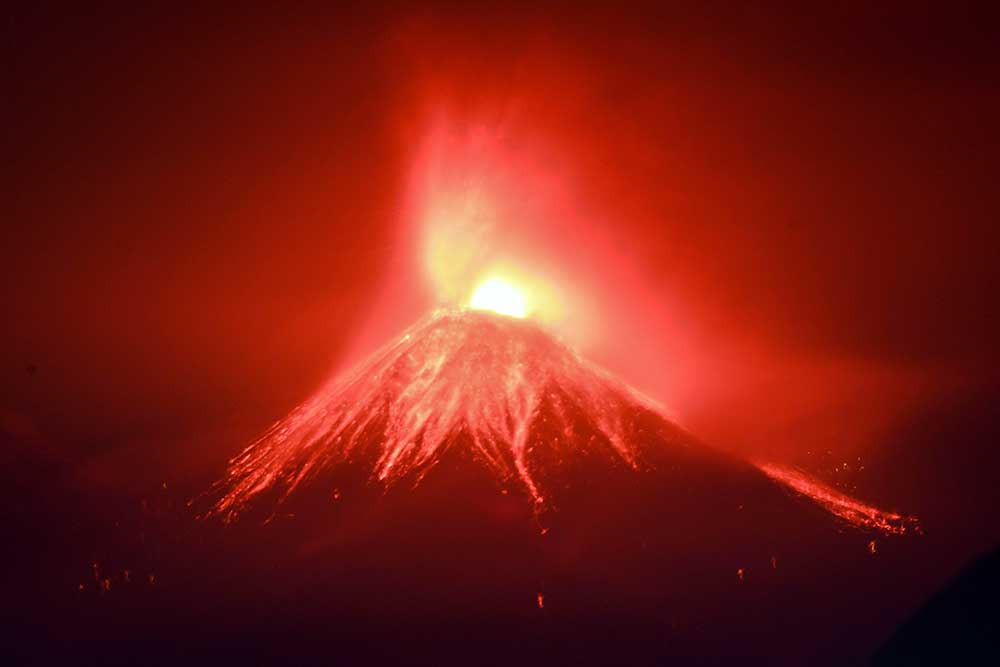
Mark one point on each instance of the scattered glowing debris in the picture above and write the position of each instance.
(871, 547)
(740, 574)
(336, 495)
(541, 601)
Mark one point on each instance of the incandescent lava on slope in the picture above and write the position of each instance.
(492, 378)
(526, 405)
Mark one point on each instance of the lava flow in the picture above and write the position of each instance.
(524, 402)
(849, 509)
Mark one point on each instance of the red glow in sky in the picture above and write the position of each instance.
(629, 250)
(754, 237)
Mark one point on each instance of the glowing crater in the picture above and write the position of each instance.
(499, 297)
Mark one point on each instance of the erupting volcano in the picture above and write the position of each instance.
(572, 334)
(506, 395)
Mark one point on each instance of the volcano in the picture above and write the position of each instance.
(476, 492)
(504, 394)
(477, 483)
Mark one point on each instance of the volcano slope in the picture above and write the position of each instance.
(475, 492)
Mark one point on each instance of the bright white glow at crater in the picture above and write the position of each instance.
(500, 297)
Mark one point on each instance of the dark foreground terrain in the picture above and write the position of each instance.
(699, 558)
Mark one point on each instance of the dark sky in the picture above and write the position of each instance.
(204, 207)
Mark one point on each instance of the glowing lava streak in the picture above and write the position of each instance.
(849, 509)
(500, 297)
